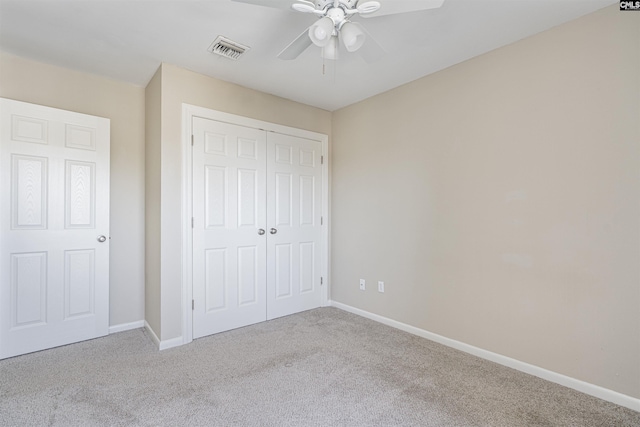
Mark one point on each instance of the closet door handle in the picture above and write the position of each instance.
(273, 231)
(261, 231)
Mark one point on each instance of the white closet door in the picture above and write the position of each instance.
(294, 206)
(229, 254)
(54, 264)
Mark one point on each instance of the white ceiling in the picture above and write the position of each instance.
(127, 40)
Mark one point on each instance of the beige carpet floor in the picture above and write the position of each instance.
(323, 367)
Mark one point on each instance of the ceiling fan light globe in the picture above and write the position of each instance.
(352, 37)
(320, 32)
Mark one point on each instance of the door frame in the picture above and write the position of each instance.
(188, 113)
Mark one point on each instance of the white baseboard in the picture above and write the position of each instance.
(173, 342)
(163, 345)
(154, 337)
(579, 385)
(126, 326)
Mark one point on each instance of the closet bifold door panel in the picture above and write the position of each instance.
(229, 208)
(294, 179)
(257, 203)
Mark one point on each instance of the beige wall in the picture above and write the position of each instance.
(152, 203)
(38, 83)
(182, 86)
(498, 200)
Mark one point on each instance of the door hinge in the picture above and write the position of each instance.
(321, 280)
(192, 140)
(192, 222)
(322, 160)
(193, 304)
(321, 220)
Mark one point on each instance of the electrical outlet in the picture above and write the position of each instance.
(362, 285)
(380, 286)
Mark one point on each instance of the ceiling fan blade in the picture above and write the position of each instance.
(370, 51)
(277, 4)
(391, 7)
(303, 7)
(296, 47)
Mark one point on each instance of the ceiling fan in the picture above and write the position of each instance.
(335, 24)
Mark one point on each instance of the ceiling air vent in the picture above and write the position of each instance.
(227, 48)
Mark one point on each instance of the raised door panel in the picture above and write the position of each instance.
(80, 194)
(79, 283)
(28, 306)
(283, 200)
(283, 270)
(248, 275)
(80, 137)
(307, 201)
(248, 198)
(29, 183)
(216, 280)
(29, 129)
(215, 196)
(307, 264)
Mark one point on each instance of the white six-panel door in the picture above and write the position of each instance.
(257, 203)
(229, 193)
(294, 188)
(54, 227)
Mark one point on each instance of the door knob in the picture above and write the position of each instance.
(261, 231)
(273, 231)
(102, 239)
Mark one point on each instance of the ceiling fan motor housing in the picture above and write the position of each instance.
(349, 4)
(337, 15)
